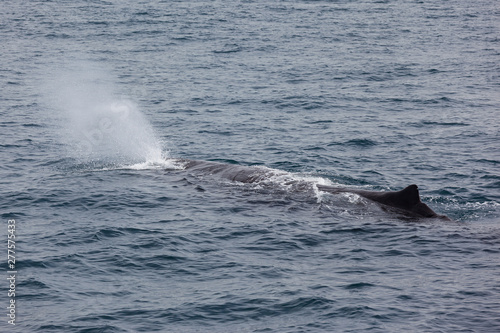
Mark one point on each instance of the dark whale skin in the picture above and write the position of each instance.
(406, 201)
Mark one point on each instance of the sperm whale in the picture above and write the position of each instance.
(406, 201)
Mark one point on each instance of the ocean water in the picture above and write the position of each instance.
(98, 99)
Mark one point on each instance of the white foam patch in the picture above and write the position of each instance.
(482, 205)
(293, 182)
(157, 164)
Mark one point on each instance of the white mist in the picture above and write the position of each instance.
(97, 126)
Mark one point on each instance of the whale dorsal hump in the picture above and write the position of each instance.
(410, 195)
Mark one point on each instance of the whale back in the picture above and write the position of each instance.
(232, 172)
(408, 199)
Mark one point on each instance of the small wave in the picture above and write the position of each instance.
(426, 123)
(361, 143)
(466, 211)
(157, 164)
(358, 286)
(228, 48)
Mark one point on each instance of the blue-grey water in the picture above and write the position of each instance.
(98, 97)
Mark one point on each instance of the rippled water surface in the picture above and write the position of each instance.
(99, 98)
